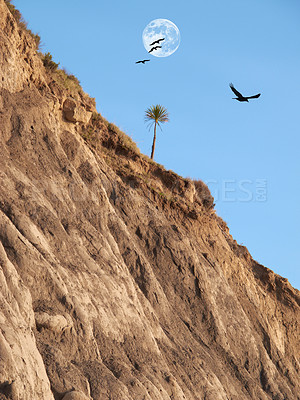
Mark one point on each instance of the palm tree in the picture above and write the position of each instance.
(156, 115)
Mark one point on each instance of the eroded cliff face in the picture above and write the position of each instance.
(117, 280)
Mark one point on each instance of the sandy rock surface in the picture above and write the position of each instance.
(109, 289)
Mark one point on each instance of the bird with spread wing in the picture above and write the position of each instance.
(156, 42)
(240, 97)
(154, 48)
(141, 61)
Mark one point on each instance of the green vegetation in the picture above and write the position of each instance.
(49, 63)
(156, 115)
(36, 38)
(66, 80)
(61, 76)
(21, 22)
(16, 13)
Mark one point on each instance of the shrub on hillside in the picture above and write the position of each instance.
(16, 13)
(67, 80)
(124, 139)
(204, 194)
(35, 37)
(70, 77)
(49, 63)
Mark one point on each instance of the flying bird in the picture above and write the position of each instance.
(156, 41)
(141, 61)
(240, 97)
(154, 48)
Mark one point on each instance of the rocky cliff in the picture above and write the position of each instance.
(118, 280)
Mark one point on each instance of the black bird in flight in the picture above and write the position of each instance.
(154, 48)
(156, 41)
(141, 61)
(240, 97)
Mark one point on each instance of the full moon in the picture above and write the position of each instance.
(159, 29)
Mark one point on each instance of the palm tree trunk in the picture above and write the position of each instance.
(154, 140)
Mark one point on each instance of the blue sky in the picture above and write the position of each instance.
(248, 153)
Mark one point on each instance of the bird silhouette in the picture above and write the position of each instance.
(240, 97)
(156, 41)
(141, 61)
(154, 48)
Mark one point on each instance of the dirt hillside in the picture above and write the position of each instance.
(117, 279)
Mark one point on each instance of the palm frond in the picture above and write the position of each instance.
(150, 123)
(157, 114)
